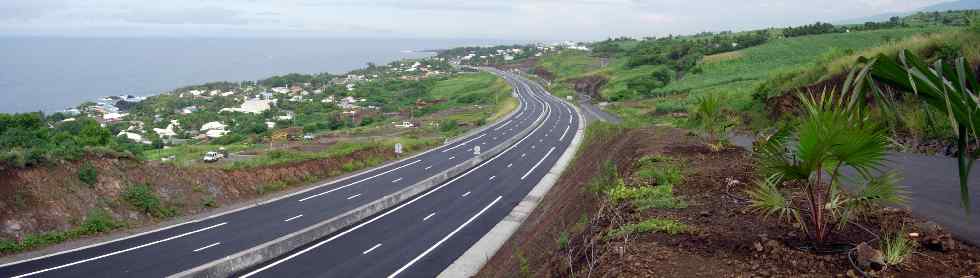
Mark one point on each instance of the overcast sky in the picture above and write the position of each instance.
(536, 20)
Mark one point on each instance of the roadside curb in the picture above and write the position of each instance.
(245, 259)
(470, 263)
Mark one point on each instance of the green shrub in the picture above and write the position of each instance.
(646, 197)
(99, 221)
(668, 226)
(896, 247)
(143, 198)
(88, 174)
(209, 202)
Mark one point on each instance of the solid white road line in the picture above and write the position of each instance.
(292, 218)
(405, 204)
(467, 193)
(353, 196)
(397, 180)
(564, 133)
(206, 247)
(371, 249)
(443, 240)
(464, 143)
(356, 182)
(502, 126)
(539, 163)
(121, 251)
(428, 216)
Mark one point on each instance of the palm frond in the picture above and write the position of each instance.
(767, 199)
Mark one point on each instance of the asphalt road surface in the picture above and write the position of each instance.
(424, 235)
(401, 231)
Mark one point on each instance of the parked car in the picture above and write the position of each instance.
(213, 157)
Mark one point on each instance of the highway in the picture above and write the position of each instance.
(424, 235)
(496, 185)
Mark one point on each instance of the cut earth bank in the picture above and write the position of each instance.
(695, 221)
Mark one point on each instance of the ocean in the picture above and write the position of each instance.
(50, 74)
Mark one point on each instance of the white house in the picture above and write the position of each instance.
(213, 126)
(133, 137)
(253, 106)
(216, 133)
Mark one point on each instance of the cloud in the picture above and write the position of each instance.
(21, 10)
(202, 15)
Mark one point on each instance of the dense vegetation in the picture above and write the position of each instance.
(32, 138)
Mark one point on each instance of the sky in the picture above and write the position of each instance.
(533, 20)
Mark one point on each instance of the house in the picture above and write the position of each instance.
(216, 133)
(280, 90)
(228, 93)
(188, 110)
(295, 89)
(113, 117)
(135, 137)
(213, 126)
(254, 106)
(288, 116)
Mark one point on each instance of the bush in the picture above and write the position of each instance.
(646, 197)
(88, 174)
(99, 221)
(668, 226)
(143, 198)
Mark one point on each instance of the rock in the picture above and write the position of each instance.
(940, 242)
(705, 213)
(758, 246)
(852, 274)
(868, 257)
(929, 227)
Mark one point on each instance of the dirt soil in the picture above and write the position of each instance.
(51, 198)
(726, 240)
(589, 85)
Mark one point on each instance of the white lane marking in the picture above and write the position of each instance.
(539, 163)
(502, 126)
(428, 216)
(206, 247)
(427, 168)
(356, 182)
(494, 138)
(121, 251)
(564, 133)
(492, 177)
(533, 146)
(464, 143)
(443, 240)
(353, 196)
(511, 164)
(403, 205)
(292, 218)
(466, 194)
(451, 157)
(484, 143)
(397, 180)
(523, 154)
(371, 249)
(540, 140)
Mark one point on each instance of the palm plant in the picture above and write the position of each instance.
(949, 87)
(832, 134)
(709, 117)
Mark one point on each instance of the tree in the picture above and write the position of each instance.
(708, 117)
(830, 136)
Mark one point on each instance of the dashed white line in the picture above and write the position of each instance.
(451, 157)
(492, 177)
(397, 180)
(356, 182)
(427, 168)
(206, 247)
(523, 154)
(428, 216)
(121, 251)
(292, 218)
(467, 193)
(371, 249)
(539, 163)
(511, 164)
(354, 196)
(443, 240)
